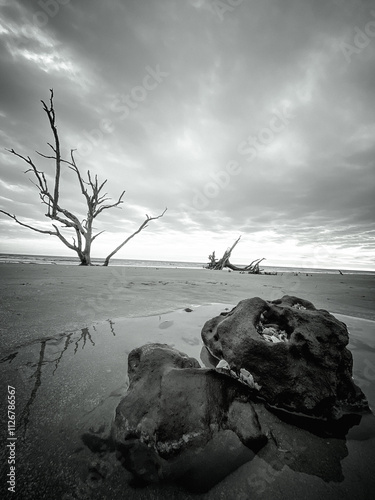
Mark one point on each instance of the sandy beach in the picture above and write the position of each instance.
(66, 332)
(38, 301)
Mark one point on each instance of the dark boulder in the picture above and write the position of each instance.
(296, 355)
(181, 421)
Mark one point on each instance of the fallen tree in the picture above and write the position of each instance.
(252, 268)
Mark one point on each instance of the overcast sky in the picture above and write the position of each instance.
(242, 117)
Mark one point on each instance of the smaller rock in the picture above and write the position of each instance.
(178, 419)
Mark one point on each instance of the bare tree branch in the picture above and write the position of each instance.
(46, 156)
(43, 231)
(96, 235)
(106, 207)
(50, 111)
(91, 189)
(64, 240)
(94, 200)
(141, 227)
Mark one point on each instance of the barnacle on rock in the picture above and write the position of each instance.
(298, 306)
(248, 379)
(245, 376)
(272, 333)
(223, 364)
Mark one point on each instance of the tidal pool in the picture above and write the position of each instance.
(68, 386)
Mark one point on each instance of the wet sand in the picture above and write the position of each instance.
(42, 300)
(67, 331)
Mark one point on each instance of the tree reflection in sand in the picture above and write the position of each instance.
(48, 355)
(43, 360)
(68, 387)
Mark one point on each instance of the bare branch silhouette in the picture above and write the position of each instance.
(91, 189)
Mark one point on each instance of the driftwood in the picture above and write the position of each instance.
(252, 268)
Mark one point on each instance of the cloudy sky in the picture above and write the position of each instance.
(242, 117)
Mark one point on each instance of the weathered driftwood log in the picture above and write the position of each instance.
(252, 268)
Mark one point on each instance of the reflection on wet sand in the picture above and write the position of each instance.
(23, 420)
(68, 387)
(79, 339)
(301, 442)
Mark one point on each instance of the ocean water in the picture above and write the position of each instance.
(73, 261)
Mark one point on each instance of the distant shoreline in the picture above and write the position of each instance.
(7, 258)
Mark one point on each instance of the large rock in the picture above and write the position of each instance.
(296, 355)
(181, 421)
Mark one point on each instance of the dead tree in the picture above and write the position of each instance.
(220, 264)
(252, 268)
(91, 189)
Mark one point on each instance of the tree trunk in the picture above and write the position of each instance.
(85, 254)
(85, 259)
